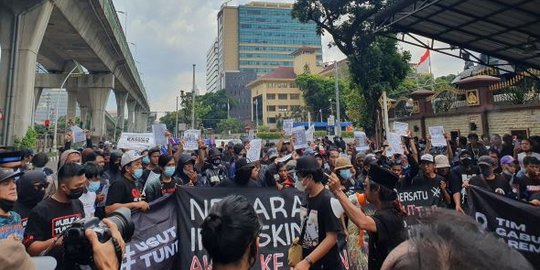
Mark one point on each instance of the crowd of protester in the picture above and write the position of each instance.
(37, 203)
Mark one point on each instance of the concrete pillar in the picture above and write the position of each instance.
(98, 101)
(30, 29)
(72, 105)
(131, 115)
(138, 116)
(121, 99)
(84, 117)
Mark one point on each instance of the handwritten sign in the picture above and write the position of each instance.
(191, 138)
(288, 126)
(254, 151)
(310, 134)
(437, 136)
(78, 134)
(300, 136)
(401, 128)
(361, 142)
(394, 139)
(159, 133)
(136, 141)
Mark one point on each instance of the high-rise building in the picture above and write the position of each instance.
(212, 72)
(256, 38)
(48, 102)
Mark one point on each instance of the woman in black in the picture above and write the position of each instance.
(386, 227)
(30, 190)
(165, 182)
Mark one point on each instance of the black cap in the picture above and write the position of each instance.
(307, 164)
(10, 156)
(8, 174)
(243, 163)
(383, 177)
(185, 158)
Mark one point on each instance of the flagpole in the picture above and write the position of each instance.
(431, 74)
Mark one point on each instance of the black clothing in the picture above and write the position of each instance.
(491, 185)
(322, 219)
(434, 184)
(49, 219)
(507, 149)
(271, 176)
(478, 151)
(461, 173)
(215, 174)
(233, 184)
(528, 187)
(390, 233)
(156, 188)
(147, 172)
(124, 191)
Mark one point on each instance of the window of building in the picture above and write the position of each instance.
(271, 96)
(271, 108)
(296, 108)
(283, 108)
(271, 120)
(282, 96)
(295, 96)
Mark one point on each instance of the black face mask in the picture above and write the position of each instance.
(6, 205)
(486, 170)
(216, 161)
(75, 193)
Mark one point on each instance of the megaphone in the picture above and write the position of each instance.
(358, 199)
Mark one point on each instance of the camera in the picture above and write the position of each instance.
(77, 248)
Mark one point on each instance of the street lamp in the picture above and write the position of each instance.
(338, 124)
(256, 113)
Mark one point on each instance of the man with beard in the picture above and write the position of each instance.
(461, 174)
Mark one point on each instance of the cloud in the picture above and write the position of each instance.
(172, 35)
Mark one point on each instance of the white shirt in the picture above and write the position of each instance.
(88, 199)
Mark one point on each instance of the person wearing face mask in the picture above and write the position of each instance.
(53, 215)
(126, 192)
(509, 168)
(461, 174)
(93, 183)
(152, 167)
(488, 179)
(113, 171)
(214, 170)
(344, 170)
(165, 183)
(185, 170)
(10, 221)
(246, 175)
(30, 190)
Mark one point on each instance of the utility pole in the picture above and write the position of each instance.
(338, 120)
(176, 127)
(256, 114)
(193, 101)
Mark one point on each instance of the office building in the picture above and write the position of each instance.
(212, 72)
(256, 38)
(48, 102)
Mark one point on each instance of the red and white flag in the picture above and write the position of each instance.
(423, 65)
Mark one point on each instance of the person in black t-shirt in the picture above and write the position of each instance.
(31, 190)
(488, 179)
(245, 176)
(461, 174)
(386, 227)
(55, 214)
(529, 184)
(428, 177)
(165, 182)
(320, 249)
(126, 191)
(152, 167)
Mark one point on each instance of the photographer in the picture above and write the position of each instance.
(53, 215)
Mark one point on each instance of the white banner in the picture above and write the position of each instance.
(78, 134)
(394, 140)
(159, 133)
(136, 141)
(251, 134)
(191, 138)
(300, 136)
(288, 126)
(437, 136)
(361, 142)
(401, 128)
(254, 151)
(310, 134)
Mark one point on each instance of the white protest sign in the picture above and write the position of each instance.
(288, 126)
(251, 135)
(331, 120)
(437, 136)
(310, 134)
(136, 141)
(300, 135)
(401, 128)
(394, 140)
(159, 133)
(78, 134)
(254, 151)
(191, 138)
(361, 144)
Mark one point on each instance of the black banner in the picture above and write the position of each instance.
(515, 222)
(419, 202)
(155, 241)
(279, 212)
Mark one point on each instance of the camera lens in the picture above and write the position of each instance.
(122, 218)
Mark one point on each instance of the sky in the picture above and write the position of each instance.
(168, 36)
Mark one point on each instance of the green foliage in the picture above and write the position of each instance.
(232, 124)
(347, 134)
(319, 133)
(169, 120)
(375, 62)
(29, 141)
(263, 129)
(269, 135)
(317, 91)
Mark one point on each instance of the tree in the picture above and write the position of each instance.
(169, 119)
(374, 61)
(232, 124)
(29, 141)
(317, 91)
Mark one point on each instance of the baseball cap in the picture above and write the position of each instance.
(441, 161)
(129, 157)
(427, 157)
(370, 159)
(486, 160)
(6, 174)
(507, 160)
(272, 153)
(13, 256)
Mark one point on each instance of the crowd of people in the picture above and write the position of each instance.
(38, 203)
